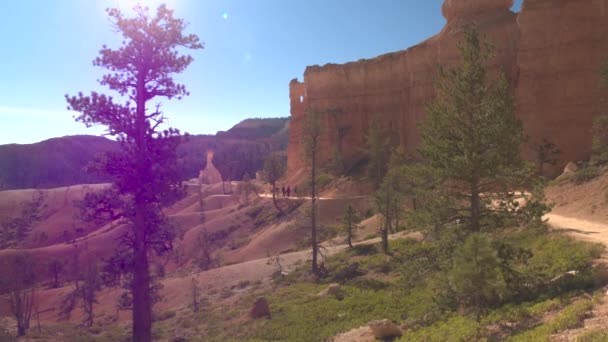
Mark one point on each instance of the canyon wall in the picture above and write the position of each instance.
(551, 53)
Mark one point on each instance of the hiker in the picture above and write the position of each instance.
(283, 190)
(288, 191)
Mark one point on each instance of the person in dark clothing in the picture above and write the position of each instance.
(288, 191)
(283, 191)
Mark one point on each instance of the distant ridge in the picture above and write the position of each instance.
(58, 162)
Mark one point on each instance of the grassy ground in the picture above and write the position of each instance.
(408, 287)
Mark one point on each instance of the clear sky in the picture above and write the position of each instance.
(253, 49)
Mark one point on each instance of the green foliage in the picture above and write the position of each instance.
(416, 290)
(377, 152)
(300, 315)
(599, 150)
(274, 169)
(571, 317)
(475, 277)
(323, 180)
(349, 223)
(336, 165)
(471, 139)
(585, 174)
(455, 328)
(554, 255)
(517, 312)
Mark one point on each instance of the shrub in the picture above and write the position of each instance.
(323, 180)
(369, 284)
(475, 277)
(456, 328)
(585, 174)
(571, 317)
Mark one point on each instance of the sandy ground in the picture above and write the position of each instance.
(579, 228)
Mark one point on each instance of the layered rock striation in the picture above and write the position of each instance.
(551, 53)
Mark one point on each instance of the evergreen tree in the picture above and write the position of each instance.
(311, 134)
(476, 276)
(349, 223)
(471, 139)
(599, 149)
(274, 169)
(377, 152)
(144, 170)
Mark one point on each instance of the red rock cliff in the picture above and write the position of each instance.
(551, 53)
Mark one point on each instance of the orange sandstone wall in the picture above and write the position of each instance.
(550, 52)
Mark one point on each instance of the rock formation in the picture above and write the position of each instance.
(551, 53)
(209, 175)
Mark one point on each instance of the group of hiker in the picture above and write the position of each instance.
(286, 191)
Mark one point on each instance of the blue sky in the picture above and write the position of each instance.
(253, 49)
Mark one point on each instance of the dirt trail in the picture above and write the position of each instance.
(580, 229)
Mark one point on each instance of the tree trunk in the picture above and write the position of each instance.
(387, 223)
(274, 199)
(142, 309)
(475, 208)
(313, 211)
(140, 288)
(350, 235)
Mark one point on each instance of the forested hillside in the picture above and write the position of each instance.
(61, 161)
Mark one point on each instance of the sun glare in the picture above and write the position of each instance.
(126, 4)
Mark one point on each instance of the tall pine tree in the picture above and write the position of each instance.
(144, 170)
(471, 139)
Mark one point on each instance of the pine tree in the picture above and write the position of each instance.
(349, 223)
(377, 152)
(274, 169)
(471, 139)
(144, 170)
(311, 134)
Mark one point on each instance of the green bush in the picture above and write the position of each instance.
(323, 180)
(512, 312)
(571, 317)
(369, 284)
(585, 174)
(456, 329)
(476, 276)
(300, 315)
